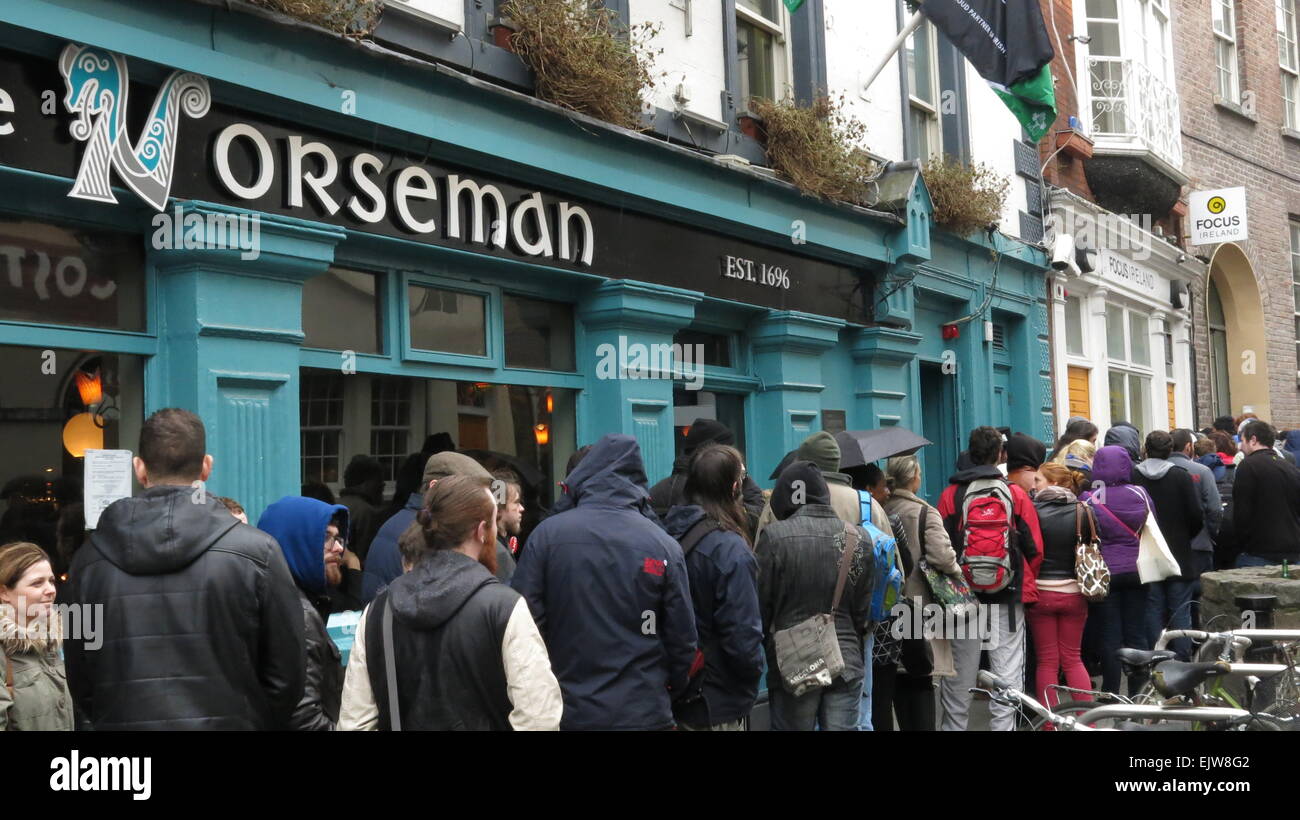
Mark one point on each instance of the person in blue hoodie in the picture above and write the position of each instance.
(713, 529)
(309, 534)
(609, 590)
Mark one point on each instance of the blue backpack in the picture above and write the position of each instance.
(884, 550)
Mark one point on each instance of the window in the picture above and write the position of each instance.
(1295, 279)
(447, 321)
(1074, 326)
(760, 46)
(714, 348)
(321, 418)
(1106, 60)
(1225, 48)
(539, 335)
(1288, 56)
(1219, 382)
(349, 293)
(1128, 346)
(390, 420)
(1154, 33)
(924, 136)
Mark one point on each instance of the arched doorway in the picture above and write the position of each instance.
(1238, 346)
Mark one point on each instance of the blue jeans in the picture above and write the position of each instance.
(1123, 625)
(834, 708)
(1174, 597)
(864, 709)
(1247, 560)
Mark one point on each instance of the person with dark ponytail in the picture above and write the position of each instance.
(713, 529)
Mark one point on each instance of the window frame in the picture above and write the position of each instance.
(1225, 35)
(783, 67)
(931, 111)
(493, 345)
(1294, 226)
(1288, 46)
(336, 429)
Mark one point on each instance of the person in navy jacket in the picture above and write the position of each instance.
(608, 589)
(724, 590)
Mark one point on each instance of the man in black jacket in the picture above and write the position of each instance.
(799, 556)
(1266, 501)
(202, 626)
(671, 492)
(1178, 512)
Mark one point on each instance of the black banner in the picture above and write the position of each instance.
(1006, 40)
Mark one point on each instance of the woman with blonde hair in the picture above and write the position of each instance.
(35, 695)
(925, 536)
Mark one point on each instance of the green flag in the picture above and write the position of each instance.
(1033, 101)
(793, 5)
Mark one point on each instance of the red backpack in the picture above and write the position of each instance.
(987, 523)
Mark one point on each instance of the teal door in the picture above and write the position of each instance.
(939, 425)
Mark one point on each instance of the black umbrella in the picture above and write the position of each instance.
(859, 447)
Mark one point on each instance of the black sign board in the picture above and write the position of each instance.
(232, 157)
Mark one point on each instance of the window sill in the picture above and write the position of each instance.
(1234, 108)
(1290, 134)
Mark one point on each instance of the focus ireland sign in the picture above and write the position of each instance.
(1218, 216)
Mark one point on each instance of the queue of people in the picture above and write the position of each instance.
(639, 608)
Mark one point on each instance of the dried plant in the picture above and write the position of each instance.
(816, 148)
(967, 198)
(349, 18)
(584, 58)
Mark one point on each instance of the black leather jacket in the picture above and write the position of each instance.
(202, 625)
(1056, 522)
(318, 710)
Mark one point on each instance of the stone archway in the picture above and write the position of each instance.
(1233, 277)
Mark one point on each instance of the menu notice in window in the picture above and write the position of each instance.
(108, 478)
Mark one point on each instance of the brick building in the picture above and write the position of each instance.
(1239, 81)
(1114, 175)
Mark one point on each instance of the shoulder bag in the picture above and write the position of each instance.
(808, 654)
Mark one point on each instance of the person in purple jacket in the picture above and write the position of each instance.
(1121, 510)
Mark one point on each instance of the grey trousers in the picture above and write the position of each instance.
(1006, 660)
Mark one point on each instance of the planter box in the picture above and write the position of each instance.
(1074, 144)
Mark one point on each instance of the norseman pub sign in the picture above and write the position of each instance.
(188, 145)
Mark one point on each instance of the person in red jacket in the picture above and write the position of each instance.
(1000, 627)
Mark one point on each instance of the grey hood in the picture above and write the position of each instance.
(1155, 467)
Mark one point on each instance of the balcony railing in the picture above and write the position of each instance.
(1134, 110)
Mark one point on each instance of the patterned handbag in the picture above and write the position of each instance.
(951, 592)
(1089, 567)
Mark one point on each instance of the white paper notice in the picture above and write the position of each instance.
(108, 478)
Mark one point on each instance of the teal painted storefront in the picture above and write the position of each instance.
(224, 335)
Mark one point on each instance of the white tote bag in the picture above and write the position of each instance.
(1155, 561)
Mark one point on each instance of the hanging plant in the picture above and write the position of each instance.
(349, 18)
(584, 58)
(816, 148)
(967, 198)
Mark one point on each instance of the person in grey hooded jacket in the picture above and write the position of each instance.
(1208, 492)
(1127, 436)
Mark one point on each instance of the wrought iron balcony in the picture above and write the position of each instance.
(1134, 112)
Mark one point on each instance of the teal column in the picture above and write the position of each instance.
(230, 329)
(628, 332)
(787, 348)
(886, 378)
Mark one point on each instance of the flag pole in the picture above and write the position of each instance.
(911, 26)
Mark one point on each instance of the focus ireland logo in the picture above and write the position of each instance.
(97, 82)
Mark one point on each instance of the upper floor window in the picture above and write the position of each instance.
(761, 48)
(1295, 279)
(1154, 35)
(924, 135)
(1288, 56)
(1225, 48)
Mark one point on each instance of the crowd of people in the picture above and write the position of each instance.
(631, 606)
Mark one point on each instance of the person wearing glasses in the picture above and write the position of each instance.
(300, 526)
